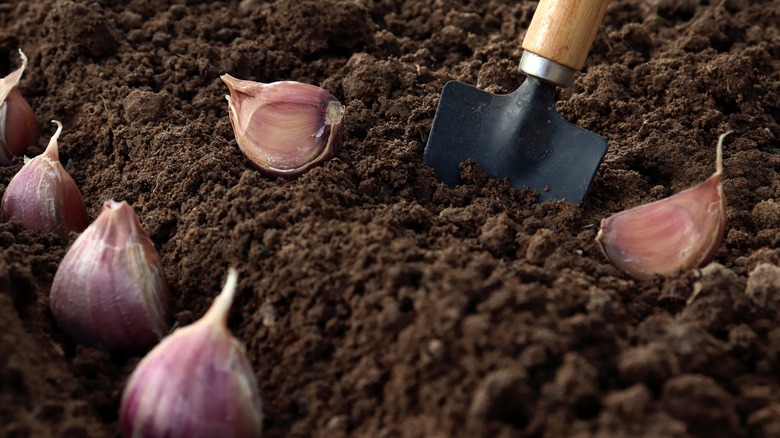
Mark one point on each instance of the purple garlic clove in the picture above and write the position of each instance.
(18, 127)
(110, 288)
(197, 382)
(286, 127)
(683, 231)
(43, 196)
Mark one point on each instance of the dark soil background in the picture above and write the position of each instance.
(374, 301)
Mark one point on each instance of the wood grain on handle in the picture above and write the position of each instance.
(563, 30)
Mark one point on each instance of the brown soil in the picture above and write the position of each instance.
(373, 300)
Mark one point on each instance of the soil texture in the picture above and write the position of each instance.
(373, 300)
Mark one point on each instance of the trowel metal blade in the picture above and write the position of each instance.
(518, 136)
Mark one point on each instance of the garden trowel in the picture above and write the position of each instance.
(520, 136)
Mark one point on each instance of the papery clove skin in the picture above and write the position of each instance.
(18, 127)
(681, 232)
(43, 196)
(285, 127)
(110, 288)
(197, 382)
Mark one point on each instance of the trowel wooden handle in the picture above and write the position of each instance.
(563, 30)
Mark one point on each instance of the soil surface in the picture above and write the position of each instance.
(373, 300)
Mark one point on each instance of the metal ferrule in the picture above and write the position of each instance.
(549, 71)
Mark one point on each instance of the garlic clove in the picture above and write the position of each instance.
(683, 231)
(197, 382)
(18, 127)
(284, 127)
(12, 80)
(43, 196)
(110, 288)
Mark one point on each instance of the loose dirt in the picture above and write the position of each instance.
(373, 301)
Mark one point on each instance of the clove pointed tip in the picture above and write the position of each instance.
(24, 58)
(12, 80)
(52, 150)
(115, 205)
(230, 284)
(59, 127)
(219, 310)
(230, 81)
(719, 153)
